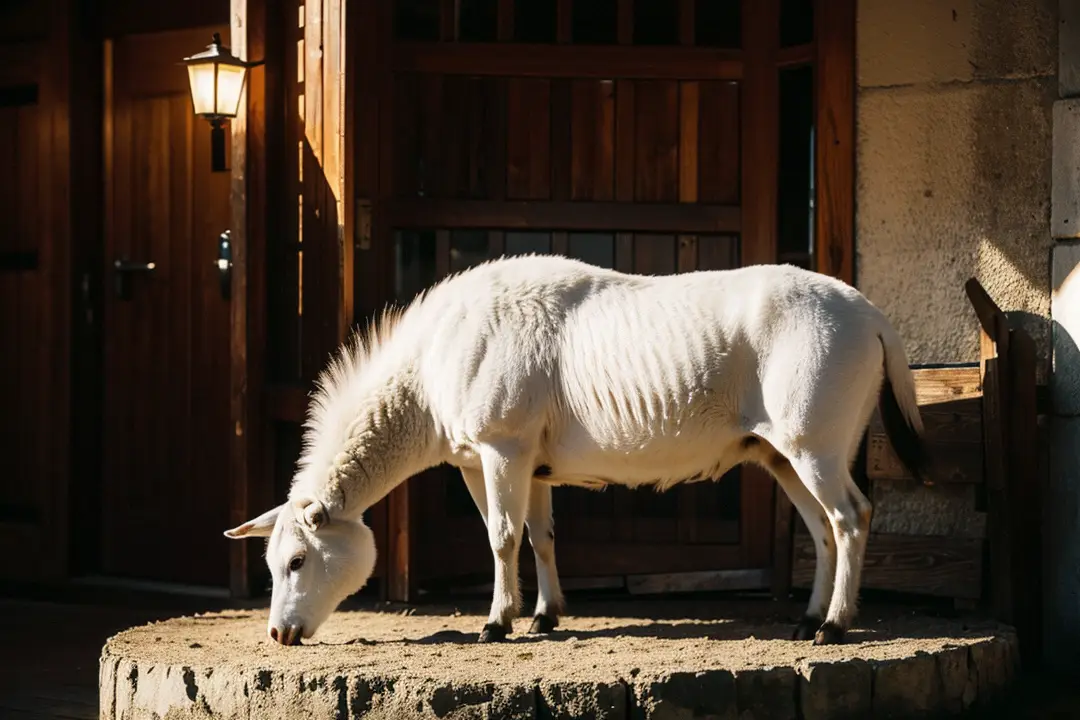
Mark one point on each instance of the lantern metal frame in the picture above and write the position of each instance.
(217, 54)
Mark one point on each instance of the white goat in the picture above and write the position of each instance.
(538, 371)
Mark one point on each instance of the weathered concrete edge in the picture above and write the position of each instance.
(946, 683)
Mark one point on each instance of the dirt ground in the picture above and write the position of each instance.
(440, 643)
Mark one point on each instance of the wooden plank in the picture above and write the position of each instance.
(656, 139)
(448, 20)
(625, 144)
(760, 105)
(598, 62)
(399, 579)
(702, 581)
(686, 22)
(834, 154)
(1025, 496)
(719, 142)
(592, 140)
(252, 36)
(505, 20)
(689, 121)
(625, 22)
(285, 403)
(561, 120)
(954, 439)
(600, 216)
(946, 385)
(986, 310)
(996, 440)
(528, 145)
(926, 565)
(564, 21)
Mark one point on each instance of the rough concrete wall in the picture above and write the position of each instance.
(954, 165)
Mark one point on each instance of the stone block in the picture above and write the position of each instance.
(766, 694)
(953, 182)
(591, 701)
(706, 695)
(1065, 315)
(908, 687)
(925, 41)
(1069, 49)
(903, 507)
(835, 690)
(1065, 197)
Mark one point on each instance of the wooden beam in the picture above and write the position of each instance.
(254, 24)
(834, 154)
(583, 216)
(578, 62)
(986, 310)
(927, 565)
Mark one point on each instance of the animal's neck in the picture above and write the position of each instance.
(385, 437)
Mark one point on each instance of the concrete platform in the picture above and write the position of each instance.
(396, 664)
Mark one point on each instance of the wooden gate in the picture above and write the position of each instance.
(646, 135)
(642, 137)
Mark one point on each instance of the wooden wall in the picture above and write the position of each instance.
(34, 287)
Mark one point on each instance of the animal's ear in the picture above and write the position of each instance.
(311, 512)
(261, 526)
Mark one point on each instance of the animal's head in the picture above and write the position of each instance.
(315, 560)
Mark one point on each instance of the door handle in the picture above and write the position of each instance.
(224, 263)
(123, 268)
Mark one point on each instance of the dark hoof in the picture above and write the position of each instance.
(493, 632)
(543, 624)
(806, 628)
(829, 634)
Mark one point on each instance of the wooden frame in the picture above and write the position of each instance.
(834, 180)
(370, 209)
(256, 150)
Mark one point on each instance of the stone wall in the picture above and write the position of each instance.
(954, 116)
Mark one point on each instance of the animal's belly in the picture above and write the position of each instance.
(590, 459)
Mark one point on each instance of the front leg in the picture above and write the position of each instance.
(507, 481)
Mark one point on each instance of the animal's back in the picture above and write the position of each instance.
(623, 374)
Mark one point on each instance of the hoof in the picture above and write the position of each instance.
(806, 628)
(493, 632)
(829, 634)
(543, 624)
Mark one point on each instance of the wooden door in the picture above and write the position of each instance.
(166, 331)
(33, 317)
(637, 135)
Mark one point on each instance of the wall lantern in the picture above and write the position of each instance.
(216, 77)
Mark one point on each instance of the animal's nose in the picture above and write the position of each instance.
(288, 635)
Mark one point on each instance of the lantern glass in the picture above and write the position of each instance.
(201, 79)
(230, 84)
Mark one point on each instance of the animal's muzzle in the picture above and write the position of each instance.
(286, 636)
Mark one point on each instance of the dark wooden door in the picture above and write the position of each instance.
(643, 136)
(166, 394)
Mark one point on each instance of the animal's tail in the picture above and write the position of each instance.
(899, 409)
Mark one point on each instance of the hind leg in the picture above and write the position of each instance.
(541, 525)
(849, 512)
(817, 524)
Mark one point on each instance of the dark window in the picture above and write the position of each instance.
(656, 22)
(718, 23)
(796, 177)
(534, 21)
(595, 22)
(416, 20)
(477, 20)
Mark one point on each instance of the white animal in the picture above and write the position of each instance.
(538, 371)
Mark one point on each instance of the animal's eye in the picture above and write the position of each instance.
(296, 563)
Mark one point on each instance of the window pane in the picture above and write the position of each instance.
(523, 243)
(795, 214)
(718, 23)
(656, 22)
(534, 21)
(595, 22)
(468, 248)
(594, 248)
(414, 263)
(416, 19)
(796, 22)
(477, 21)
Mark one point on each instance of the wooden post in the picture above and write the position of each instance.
(254, 28)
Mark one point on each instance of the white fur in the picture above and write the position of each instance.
(607, 378)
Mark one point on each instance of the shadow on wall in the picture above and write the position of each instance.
(1013, 132)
